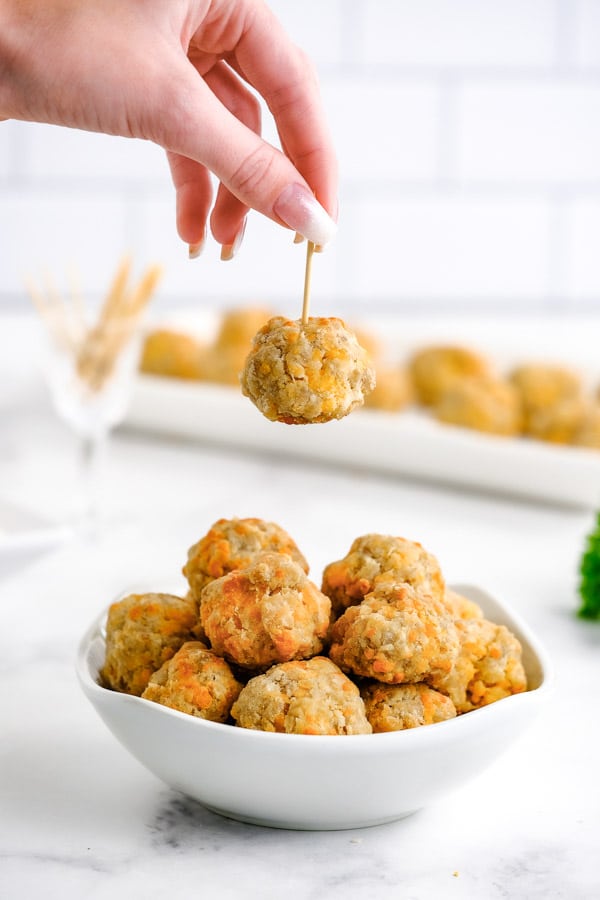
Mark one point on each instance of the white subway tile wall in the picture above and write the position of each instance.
(468, 133)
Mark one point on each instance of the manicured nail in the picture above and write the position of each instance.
(299, 209)
(194, 250)
(298, 238)
(228, 251)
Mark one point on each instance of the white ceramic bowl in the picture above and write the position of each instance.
(317, 782)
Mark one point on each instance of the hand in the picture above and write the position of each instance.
(173, 72)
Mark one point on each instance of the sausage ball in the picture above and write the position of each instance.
(302, 697)
(436, 369)
(232, 544)
(483, 404)
(142, 632)
(396, 635)
(488, 666)
(558, 424)
(173, 354)
(301, 373)
(195, 681)
(461, 607)
(541, 385)
(396, 707)
(238, 327)
(265, 613)
(393, 390)
(225, 358)
(588, 433)
(379, 557)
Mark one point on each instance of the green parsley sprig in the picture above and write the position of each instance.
(589, 570)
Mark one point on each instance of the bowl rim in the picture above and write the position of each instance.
(410, 736)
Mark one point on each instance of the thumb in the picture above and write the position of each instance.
(195, 124)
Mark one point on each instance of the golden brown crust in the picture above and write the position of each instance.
(173, 354)
(302, 697)
(195, 681)
(396, 635)
(238, 327)
(265, 613)
(542, 385)
(142, 632)
(232, 544)
(488, 666)
(560, 423)
(483, 404)
(461, 607)
(396, 707)
(301, 373)
(393, 390)
(588, 432)
(374, 558)
(436, 369)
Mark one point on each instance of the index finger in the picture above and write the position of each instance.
(285, 77)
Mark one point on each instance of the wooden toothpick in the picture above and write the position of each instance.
(310, 249)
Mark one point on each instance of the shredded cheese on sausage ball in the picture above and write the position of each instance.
(396, 635)
(302, 697)
(305, 373)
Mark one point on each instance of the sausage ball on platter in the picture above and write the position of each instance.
(373, 558)
(301, 373)
(238, 327)
(436, 369)
(588, 433)
(488, 666)
(396, 635)
(195, 681)
(483, 404)
(232, 544)
(142, 632)
(392, 707)
(560, 423)
(265, 613)
(225, 358)
(173, 354)
(541, 385)
(302, 697)
(393, 390)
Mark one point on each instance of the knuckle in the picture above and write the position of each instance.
(254, 172)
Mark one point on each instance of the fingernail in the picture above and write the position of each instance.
(298, 238)
(194, 250)
(299, 209)
(228, 251)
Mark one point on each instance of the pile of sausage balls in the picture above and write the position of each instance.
(383, 645)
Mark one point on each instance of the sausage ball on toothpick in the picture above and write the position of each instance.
(306, 372)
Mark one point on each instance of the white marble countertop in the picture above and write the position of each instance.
(81, 818)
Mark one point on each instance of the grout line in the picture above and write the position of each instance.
(564, 36)
(352, 40)
(476, 73)
(451, 305)
(355, 188)
(447, 133)
(557, 250)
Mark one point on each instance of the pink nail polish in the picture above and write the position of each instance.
(299, 209)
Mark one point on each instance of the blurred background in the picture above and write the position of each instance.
(468, 134)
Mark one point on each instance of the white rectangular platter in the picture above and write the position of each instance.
(407, 444)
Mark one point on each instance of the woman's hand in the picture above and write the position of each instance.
(173, 72)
